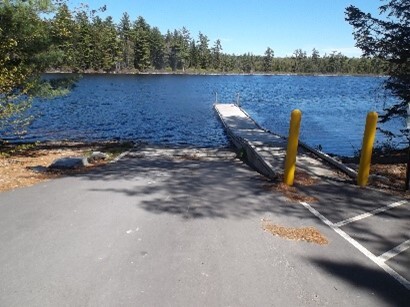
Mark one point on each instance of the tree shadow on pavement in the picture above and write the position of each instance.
(339, 201)
(379, 233)
(193, 189)
(376, 281)
(216, 188)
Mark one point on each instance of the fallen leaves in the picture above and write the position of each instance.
(20, 170)
(25, 165)
(389, 175)
(308, 234)
(291, 192)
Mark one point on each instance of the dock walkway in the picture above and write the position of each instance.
(264, 150)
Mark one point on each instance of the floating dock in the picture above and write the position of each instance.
(266, 151)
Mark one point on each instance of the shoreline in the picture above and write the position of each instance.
(390, 156)
(194, 73)
(26, 164)
(398, 155)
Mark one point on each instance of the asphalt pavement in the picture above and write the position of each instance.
(158, 230)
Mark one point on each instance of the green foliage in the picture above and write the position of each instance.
(216, 55)
(268, 60)
(108, 56)
(29, 47)
(203, 51)
(127, 44)
(178, 49)
(21, 149)
(388, 39)
(63, 28)
(24, 53)
(141, 36)
(24, 47)
(157, 49)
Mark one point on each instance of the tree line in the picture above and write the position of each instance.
(86, 42)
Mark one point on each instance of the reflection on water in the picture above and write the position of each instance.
(178, 109)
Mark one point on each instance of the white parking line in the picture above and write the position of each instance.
(360, 247)
(370, 213)
(395, 251)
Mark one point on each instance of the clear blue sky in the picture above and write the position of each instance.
(250, 25)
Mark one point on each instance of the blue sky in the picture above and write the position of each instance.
(250, 25)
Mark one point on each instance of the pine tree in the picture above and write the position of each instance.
(203, 51)
(125, 34)
(142, 57)
(175, 47)
(157, 49)
(193, 54)
(217, 55)
(268, 60)
(387, 39)
(111, 46)
(83, 47)
(62, 35)
(299, 60)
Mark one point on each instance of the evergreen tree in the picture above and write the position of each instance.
(268, 60)
(217, 55)
(248, 63)
(125, 34)
(315, 61)
(83, 47)
(387, 39)
(184, 41)
(142, 57)
(96, 43)
(299, 61)
(193, 54)
(203, 51)
(62, 35)
(157, 49)
(174, 50)
(111, 46)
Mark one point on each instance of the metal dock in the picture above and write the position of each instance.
(266, 151)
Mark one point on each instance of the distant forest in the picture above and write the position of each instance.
(84, 42)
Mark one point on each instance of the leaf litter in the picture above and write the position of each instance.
(26, 165)
(291, 192)
(307, 234)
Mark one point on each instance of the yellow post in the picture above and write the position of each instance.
(367, 148)
(292, 149)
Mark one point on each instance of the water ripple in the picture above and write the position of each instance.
(178, 109)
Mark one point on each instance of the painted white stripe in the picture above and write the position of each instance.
(360, 247)
(395, 251)
(370, 213)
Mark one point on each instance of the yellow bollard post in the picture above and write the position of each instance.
(292, 148)
(367, 148)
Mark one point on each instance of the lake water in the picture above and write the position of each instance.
(177, 109)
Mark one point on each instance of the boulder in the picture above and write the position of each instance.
(97, 156)
(69, 163)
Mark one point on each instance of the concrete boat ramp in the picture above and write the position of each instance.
(266, 151)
